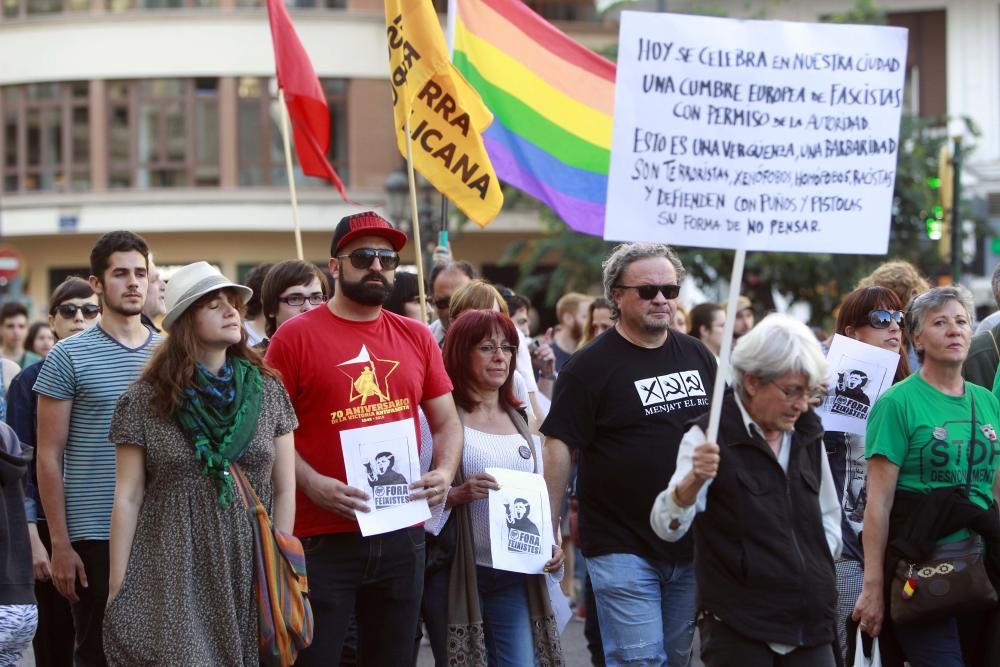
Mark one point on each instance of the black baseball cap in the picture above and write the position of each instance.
(368, 223)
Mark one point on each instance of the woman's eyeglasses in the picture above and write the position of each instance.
(68, 310)
(881, 318)
(489, 350)
(296, 300)
(362, 258)
(649, 292)
(796, 394)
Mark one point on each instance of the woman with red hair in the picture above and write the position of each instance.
(517, 621)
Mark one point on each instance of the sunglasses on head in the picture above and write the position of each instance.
(880, 318)
(68, 310)
(649, 292)
(362, 258)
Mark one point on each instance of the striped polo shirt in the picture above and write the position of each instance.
(92, 369)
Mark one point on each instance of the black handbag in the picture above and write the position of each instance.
(953, 581)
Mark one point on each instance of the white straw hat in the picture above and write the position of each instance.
(190, 283)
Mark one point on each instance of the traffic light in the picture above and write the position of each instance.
(943, 196)
(936, 221)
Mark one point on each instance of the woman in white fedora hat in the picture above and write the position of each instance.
(182, 560)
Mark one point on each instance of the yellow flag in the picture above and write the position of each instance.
(446, 114)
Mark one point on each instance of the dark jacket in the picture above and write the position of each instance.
(980, 366)
(917, 521)
(17, 582)
(762, 562)
(22, 416)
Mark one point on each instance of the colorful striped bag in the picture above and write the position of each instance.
(285, 620)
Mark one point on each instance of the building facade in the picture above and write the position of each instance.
(161, 117)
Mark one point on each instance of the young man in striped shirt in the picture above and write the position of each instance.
(78, 387)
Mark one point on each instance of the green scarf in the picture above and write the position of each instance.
(220, 416)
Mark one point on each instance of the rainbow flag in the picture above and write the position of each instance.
(553, 102)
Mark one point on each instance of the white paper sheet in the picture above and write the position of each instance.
(520, 526)
(560, 604)
(859, 374)
(382, 461)
(761, 135)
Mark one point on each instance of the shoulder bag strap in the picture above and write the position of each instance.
(247, 494)
(972, 442)
(459, 479)
(995, 348)
(522, 428)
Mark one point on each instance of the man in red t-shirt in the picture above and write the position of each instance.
(347, 366)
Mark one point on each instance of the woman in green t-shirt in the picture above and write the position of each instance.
(919, 439)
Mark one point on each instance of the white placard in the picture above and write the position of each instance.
(761, 135)
(382, 461)
(859, 374)
(520, 527)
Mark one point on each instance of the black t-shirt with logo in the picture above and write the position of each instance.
(625, 408)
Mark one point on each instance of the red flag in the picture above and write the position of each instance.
(304, 97)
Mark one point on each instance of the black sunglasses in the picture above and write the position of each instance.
(362, 258)
(649, 292)
(881, 318)
(68, 310)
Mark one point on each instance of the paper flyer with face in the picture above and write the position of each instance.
(859, 373)
(520, 526)
(382, 461)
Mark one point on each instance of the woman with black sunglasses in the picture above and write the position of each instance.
(871, 315)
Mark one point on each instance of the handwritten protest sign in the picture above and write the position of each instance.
(755, 135)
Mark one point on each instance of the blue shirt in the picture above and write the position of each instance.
(92, 369)
(22, 416)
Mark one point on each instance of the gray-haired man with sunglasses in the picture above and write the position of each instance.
(622, 404)
(351, 366)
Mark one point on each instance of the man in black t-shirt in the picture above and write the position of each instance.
(623, 403)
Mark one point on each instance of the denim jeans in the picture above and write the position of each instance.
(434, 612)
(646, 609)
(380, 579)
(503, 598)
(935, 644)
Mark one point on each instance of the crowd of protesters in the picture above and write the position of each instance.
(125, 451)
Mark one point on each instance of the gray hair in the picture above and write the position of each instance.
(995, 284)
(624, 255)
(780, 344)
(934, 298)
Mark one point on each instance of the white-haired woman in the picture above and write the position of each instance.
(768, 519)
(932, 453)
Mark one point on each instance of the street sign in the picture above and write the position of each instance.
(10, 262)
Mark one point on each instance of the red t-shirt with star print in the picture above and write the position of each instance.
(341, 375)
